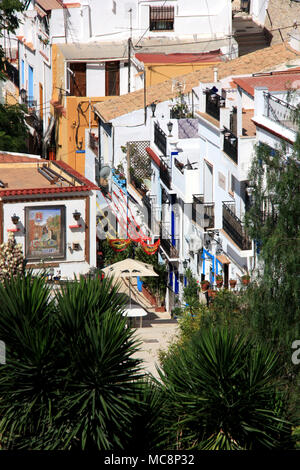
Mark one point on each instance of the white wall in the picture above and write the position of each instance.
(258, 10)
(75, 260)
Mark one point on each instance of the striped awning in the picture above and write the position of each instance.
(161, 13)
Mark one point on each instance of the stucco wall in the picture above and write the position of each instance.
(280, 16)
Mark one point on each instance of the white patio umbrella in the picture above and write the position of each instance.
(129, 268)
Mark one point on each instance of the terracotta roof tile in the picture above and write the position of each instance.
(278, 81)
(8, 158)
(258, 61)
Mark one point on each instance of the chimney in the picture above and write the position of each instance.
(215, 74)
(295, 39)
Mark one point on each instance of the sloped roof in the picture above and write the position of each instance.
(262, 60)
(278, 81)
(25, 179)
(180, 58)
(48, 5)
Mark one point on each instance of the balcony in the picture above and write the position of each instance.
(203, 213)
(230, 145)
(160, 139)
(94, 143)
(213, 103)
(165, 174)
(232, 225)
(280, 111)
(169, 244)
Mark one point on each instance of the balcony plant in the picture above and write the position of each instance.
(204, 285)
(219, 280)
(232, 283)
(245, 279)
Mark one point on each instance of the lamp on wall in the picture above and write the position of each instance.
(185, 264)
(23, 94)
(170, 127)
(76, 216)
(153, 108)
(15, 219)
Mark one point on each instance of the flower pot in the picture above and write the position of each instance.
(232, 283)
(219, 283)
(204, 286)
(246, 282)
(212, 293)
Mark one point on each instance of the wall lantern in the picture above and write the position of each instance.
(170, 127)
(222, 102)
(185, 264)
(15, 219)
(23, 94)
(153, 108)
(76, 216)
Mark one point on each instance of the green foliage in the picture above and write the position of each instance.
(70, 377)
(8, 24)
(13, 130)
(274, 220)
(191, 293)
(223, 394)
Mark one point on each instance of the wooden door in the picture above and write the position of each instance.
(112, 78)
(78, 79)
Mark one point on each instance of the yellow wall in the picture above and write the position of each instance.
(157, 73)
(71, 126)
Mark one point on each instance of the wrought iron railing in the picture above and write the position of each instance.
(160, 139)
(168, 243)
(234, 228)
(203, 213)
(213, 104)
(165, 174)
(280, 111)
(230, 146)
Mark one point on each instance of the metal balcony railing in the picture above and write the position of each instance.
(203, 213)
(213, 104)
(160, 139)
(168, 243)
(165, 174)
(230, 146)
(234, 228)
(280, 111)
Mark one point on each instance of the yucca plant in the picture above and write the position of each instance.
(70, 378)
(222, 394)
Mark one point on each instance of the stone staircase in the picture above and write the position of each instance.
(249, 35)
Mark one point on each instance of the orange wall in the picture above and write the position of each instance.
(157, 73)
(71, 125)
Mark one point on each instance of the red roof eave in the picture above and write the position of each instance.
(155, 158)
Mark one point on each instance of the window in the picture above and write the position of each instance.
(112, 78)
(161, 18)
(77, 71)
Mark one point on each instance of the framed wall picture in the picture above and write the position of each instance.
(45, 232)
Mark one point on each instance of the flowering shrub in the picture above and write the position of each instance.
(11, 259)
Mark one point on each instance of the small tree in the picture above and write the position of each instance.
(11, 259)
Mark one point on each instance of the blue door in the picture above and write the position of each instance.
(30, 86)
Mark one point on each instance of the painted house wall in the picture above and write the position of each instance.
(75, 262)
(111, 20)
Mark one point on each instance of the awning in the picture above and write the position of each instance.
(161, 13)
(223, 259)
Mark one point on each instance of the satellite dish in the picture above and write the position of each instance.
(103, 175)
(195, 243)
(105, 172)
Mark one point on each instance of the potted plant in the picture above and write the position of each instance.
(204, 285)
(245, 279)
(219, 280)
(212, 293)
(232, 283)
